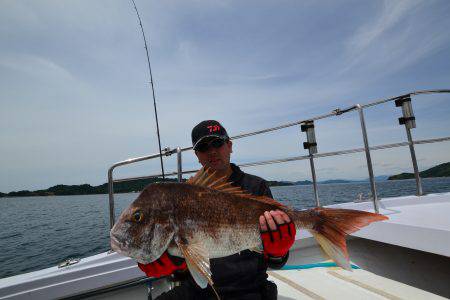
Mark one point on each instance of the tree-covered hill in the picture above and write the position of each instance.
(87, 189)
(442, 170)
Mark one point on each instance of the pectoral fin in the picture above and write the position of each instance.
(197, 260)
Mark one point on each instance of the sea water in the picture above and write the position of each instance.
(40, 232)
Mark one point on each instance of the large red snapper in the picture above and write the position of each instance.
(206, 218)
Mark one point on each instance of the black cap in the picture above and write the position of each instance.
(206, 130)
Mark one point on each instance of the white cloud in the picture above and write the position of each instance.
(34, 66)
(398, 36)
(391, 14)
(74, 80)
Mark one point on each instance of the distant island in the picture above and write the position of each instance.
(120, 187)
(279, 183)
(285, 183)
(87, 189)
(128, 187)
(442, 170)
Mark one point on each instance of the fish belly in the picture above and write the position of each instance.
(228, 241)
(223, 241)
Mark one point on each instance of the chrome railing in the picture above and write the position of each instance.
(307, 126)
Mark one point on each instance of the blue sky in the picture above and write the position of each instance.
(75, 99)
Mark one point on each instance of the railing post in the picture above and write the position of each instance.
(313, 174)
(368, 158)
(409, 121)
(414, 161)
(111, 197)
(311, 145)
(179, 165)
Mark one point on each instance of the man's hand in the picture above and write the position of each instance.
(163, 266)
(277, 233)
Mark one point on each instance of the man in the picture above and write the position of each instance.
(242, 275)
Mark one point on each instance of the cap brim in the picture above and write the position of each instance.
(207, 137)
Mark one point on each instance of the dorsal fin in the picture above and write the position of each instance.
(206, 178)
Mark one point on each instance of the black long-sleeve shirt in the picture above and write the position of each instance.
(247, 269)
(239, 275)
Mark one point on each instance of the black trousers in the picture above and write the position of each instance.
(187, 291)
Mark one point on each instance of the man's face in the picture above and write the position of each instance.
(217, 158)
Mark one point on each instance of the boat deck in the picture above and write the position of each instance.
(336, 283)
(420, 223)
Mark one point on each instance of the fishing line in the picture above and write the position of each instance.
(153, 89)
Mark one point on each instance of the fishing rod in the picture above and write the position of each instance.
(153, 89)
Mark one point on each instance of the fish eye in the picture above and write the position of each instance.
(138, 216)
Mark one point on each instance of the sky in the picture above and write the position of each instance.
(75, 95)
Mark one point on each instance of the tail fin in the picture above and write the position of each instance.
(329, 226)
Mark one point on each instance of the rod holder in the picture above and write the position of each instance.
(310, 143)
(408, 118)
(409, 121)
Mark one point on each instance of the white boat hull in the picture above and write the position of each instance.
(413, 247)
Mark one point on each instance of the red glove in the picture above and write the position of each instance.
(163, 266)
(277, 243)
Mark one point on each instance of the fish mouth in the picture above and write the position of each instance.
(123, 248)
(116, 245)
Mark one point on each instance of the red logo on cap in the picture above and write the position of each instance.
(213, 128)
